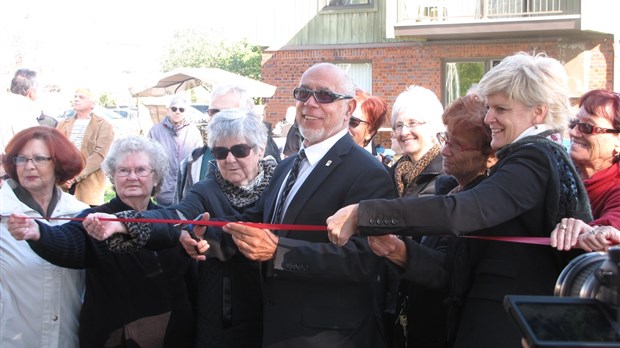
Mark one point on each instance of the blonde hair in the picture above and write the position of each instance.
(531, 80)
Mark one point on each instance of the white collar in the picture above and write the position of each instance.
(315, 152)
(533, 130)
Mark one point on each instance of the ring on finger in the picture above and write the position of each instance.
(562, 227)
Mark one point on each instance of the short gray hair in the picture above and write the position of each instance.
(245, 99)
(178, 99)
(237, 123)
(531, 80)
(122, 147)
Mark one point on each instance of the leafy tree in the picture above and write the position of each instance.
(191, 48)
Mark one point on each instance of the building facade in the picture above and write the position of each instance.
(443, 45)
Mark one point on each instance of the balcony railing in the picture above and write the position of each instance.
(413, 11)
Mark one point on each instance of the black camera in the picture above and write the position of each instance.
(585, 311)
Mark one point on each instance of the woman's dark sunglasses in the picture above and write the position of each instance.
(239, 151)
(587, 128)
(354, 122)
(174, 109)
(323, 97)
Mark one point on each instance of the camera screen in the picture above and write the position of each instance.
(568, 322)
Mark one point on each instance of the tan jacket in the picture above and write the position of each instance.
(99, 136)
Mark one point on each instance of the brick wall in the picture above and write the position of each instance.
(396, 67)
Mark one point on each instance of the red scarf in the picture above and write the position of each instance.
(604, 193)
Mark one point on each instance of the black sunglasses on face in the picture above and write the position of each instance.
(587, 128)
(239, 151)
(323, 97)
(174, 109)
(212, 112)
(354, 122)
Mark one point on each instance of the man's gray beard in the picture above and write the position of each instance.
(312, 135)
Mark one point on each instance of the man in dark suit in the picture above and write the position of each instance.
(315, 293)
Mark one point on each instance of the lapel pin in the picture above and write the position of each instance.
(328, 163)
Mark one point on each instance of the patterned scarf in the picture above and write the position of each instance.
(243, 196)
(573, 197)
(406, 171)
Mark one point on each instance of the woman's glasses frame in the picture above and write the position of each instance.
(354, 122)
(174, 109)
(444, 140)
(37, 160)
(238, 151)
(140, 171)
(588, 129)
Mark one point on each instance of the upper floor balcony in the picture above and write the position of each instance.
(453, 19)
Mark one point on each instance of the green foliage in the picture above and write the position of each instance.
(191, 48)
(470, 73)
(106, 100)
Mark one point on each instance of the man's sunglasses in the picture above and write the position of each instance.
(354, 122)
(174, 109)
(323, 97)
(239, 151)
(587, 128)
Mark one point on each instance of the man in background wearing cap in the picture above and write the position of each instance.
(92, 135)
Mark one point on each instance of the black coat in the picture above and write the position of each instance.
(147, 292)
(520, 198)
(318, 294)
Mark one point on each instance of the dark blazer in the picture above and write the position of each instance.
(317, 294)
(520, 198)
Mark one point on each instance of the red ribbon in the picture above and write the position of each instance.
(291, 227)
(198, 222)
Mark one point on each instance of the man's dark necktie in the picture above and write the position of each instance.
(290, 181)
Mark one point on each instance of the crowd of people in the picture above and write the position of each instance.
(256, 267)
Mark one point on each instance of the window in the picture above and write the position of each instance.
(327, 6)
(461, 76)
(361, 73)
(348, 2)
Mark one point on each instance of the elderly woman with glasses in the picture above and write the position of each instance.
(39, 302)
(425, 267)
(416, 120)
(141, 299)
(529, 190)
(370, 113)
(595, 151)
(229, 294)
(179, 137)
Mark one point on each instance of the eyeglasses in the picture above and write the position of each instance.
(140, 171)
(354, 122)
(239, 151)
(411, 125)
(444, 140)
(174, 109)
(37, 160)
(323, 97)
(587, 128)
(212, 112)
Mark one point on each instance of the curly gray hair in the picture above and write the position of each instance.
(122, 147)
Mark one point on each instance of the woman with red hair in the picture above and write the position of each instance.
(595, 151)
(369, 115)
(39, 302)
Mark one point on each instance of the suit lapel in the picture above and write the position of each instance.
(326, 165)
(276, 184)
